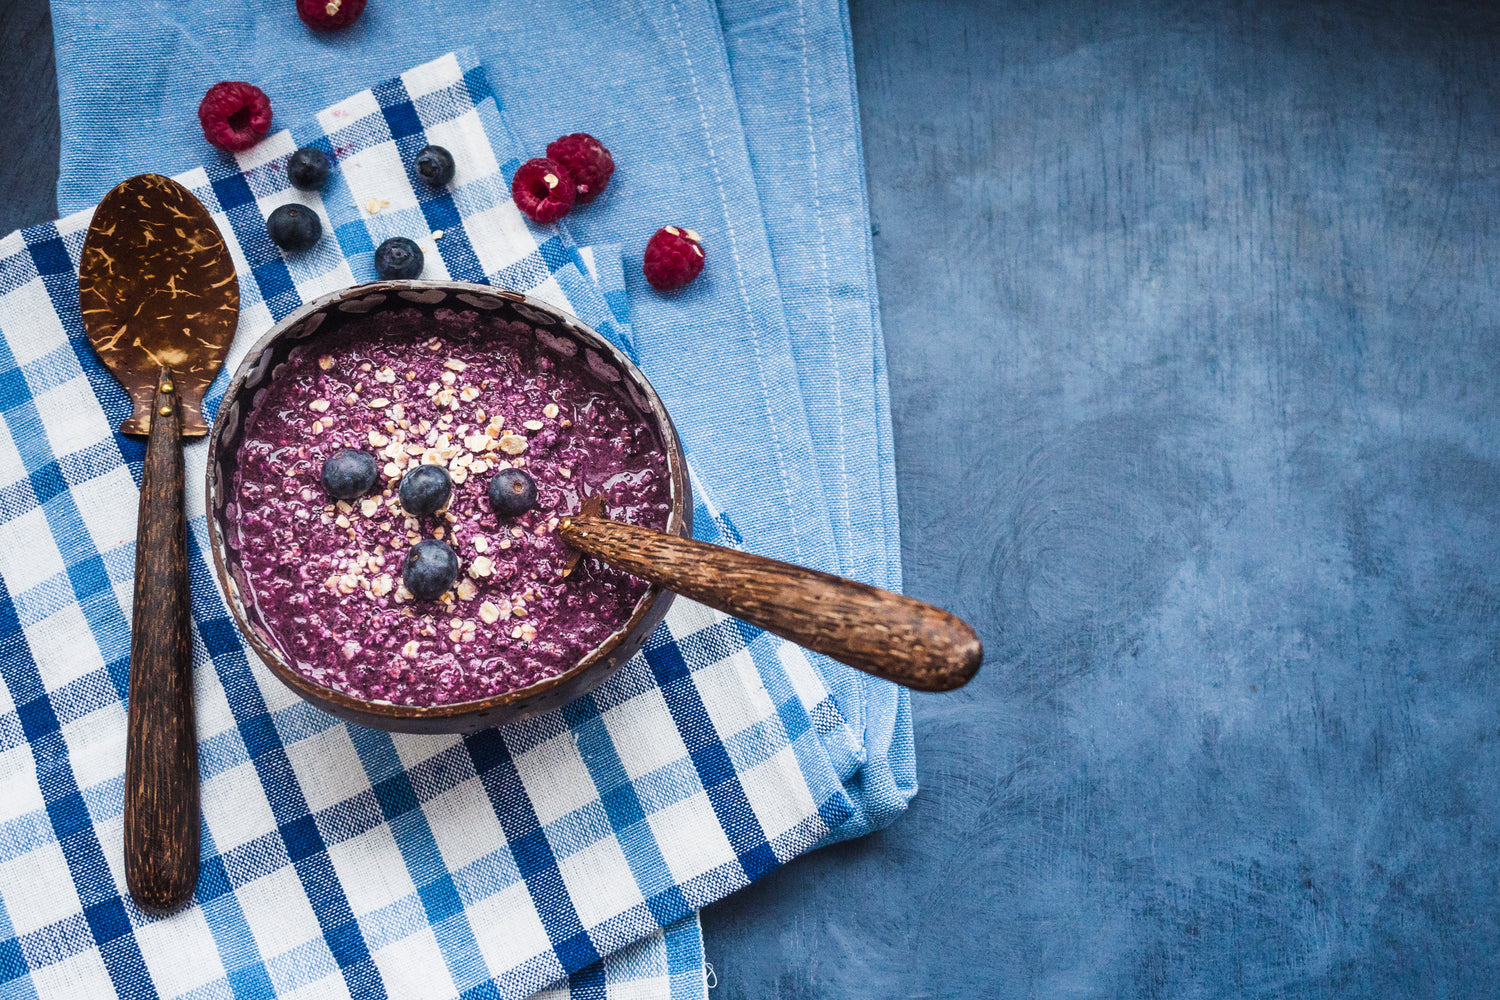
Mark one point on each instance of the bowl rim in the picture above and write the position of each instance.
(678, 519)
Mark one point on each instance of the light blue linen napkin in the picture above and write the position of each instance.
(338, 858)
(796, 91)
(654, 80)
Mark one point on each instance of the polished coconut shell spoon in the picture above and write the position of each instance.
(160, 304)
(884, 634)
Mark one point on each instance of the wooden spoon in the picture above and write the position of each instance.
(160, 304)
(881, 633)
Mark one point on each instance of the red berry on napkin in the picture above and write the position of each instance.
(328, 15)
(234, 115)
(673, 258)
(587, 160)
(543, 189)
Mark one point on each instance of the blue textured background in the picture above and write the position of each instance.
(1194, 354)
(1194, 335)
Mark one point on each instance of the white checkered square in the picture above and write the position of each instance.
(463, 824)
(473, 157)
(732, 692)
(690, 838)
(210, 702)
(377, 180)
(277, 910)
(249, 292)
(19, 792)
(37, 888)
(44, 328)
(272, 147)
(111, 834)
(495, 233)
(328, 768)
(428, 78)
(514, 933)
(777, 793)
(169, 948)
(71, 413)
(28, 555)
(82, 975)
(235, 807)
(348, 111)
(414, 967)
(276, 695)
(600, 882)
(414, 749)
(556, 778)
(644, 734)
(93, 750)
(371, 869)
(110, 522)
(59, 656)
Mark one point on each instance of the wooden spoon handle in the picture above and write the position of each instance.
(881, 633)
(161, 750)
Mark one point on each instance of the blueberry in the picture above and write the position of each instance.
(308, 168)
(435, 165)
(398, 257)
(512, 492)
(430, 569)
(349, 474)
(425, 490)
(294, 227)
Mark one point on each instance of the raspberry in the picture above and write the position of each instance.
(234, 115)
(587, 160)
(543, 190)
(673, 258)
(328, 15)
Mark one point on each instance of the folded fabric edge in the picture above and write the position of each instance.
(670, 963)
(897, 745)
(763, 42)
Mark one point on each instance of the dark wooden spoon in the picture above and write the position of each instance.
(160, 303)
(881, 633)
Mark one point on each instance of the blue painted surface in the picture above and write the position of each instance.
(1195, 350)
(1194, 336)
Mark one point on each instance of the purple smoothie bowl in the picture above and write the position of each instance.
(321, 321)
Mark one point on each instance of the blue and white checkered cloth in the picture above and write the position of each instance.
(566, 853)
(734, 117)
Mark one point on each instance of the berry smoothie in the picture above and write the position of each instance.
(480, 398)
